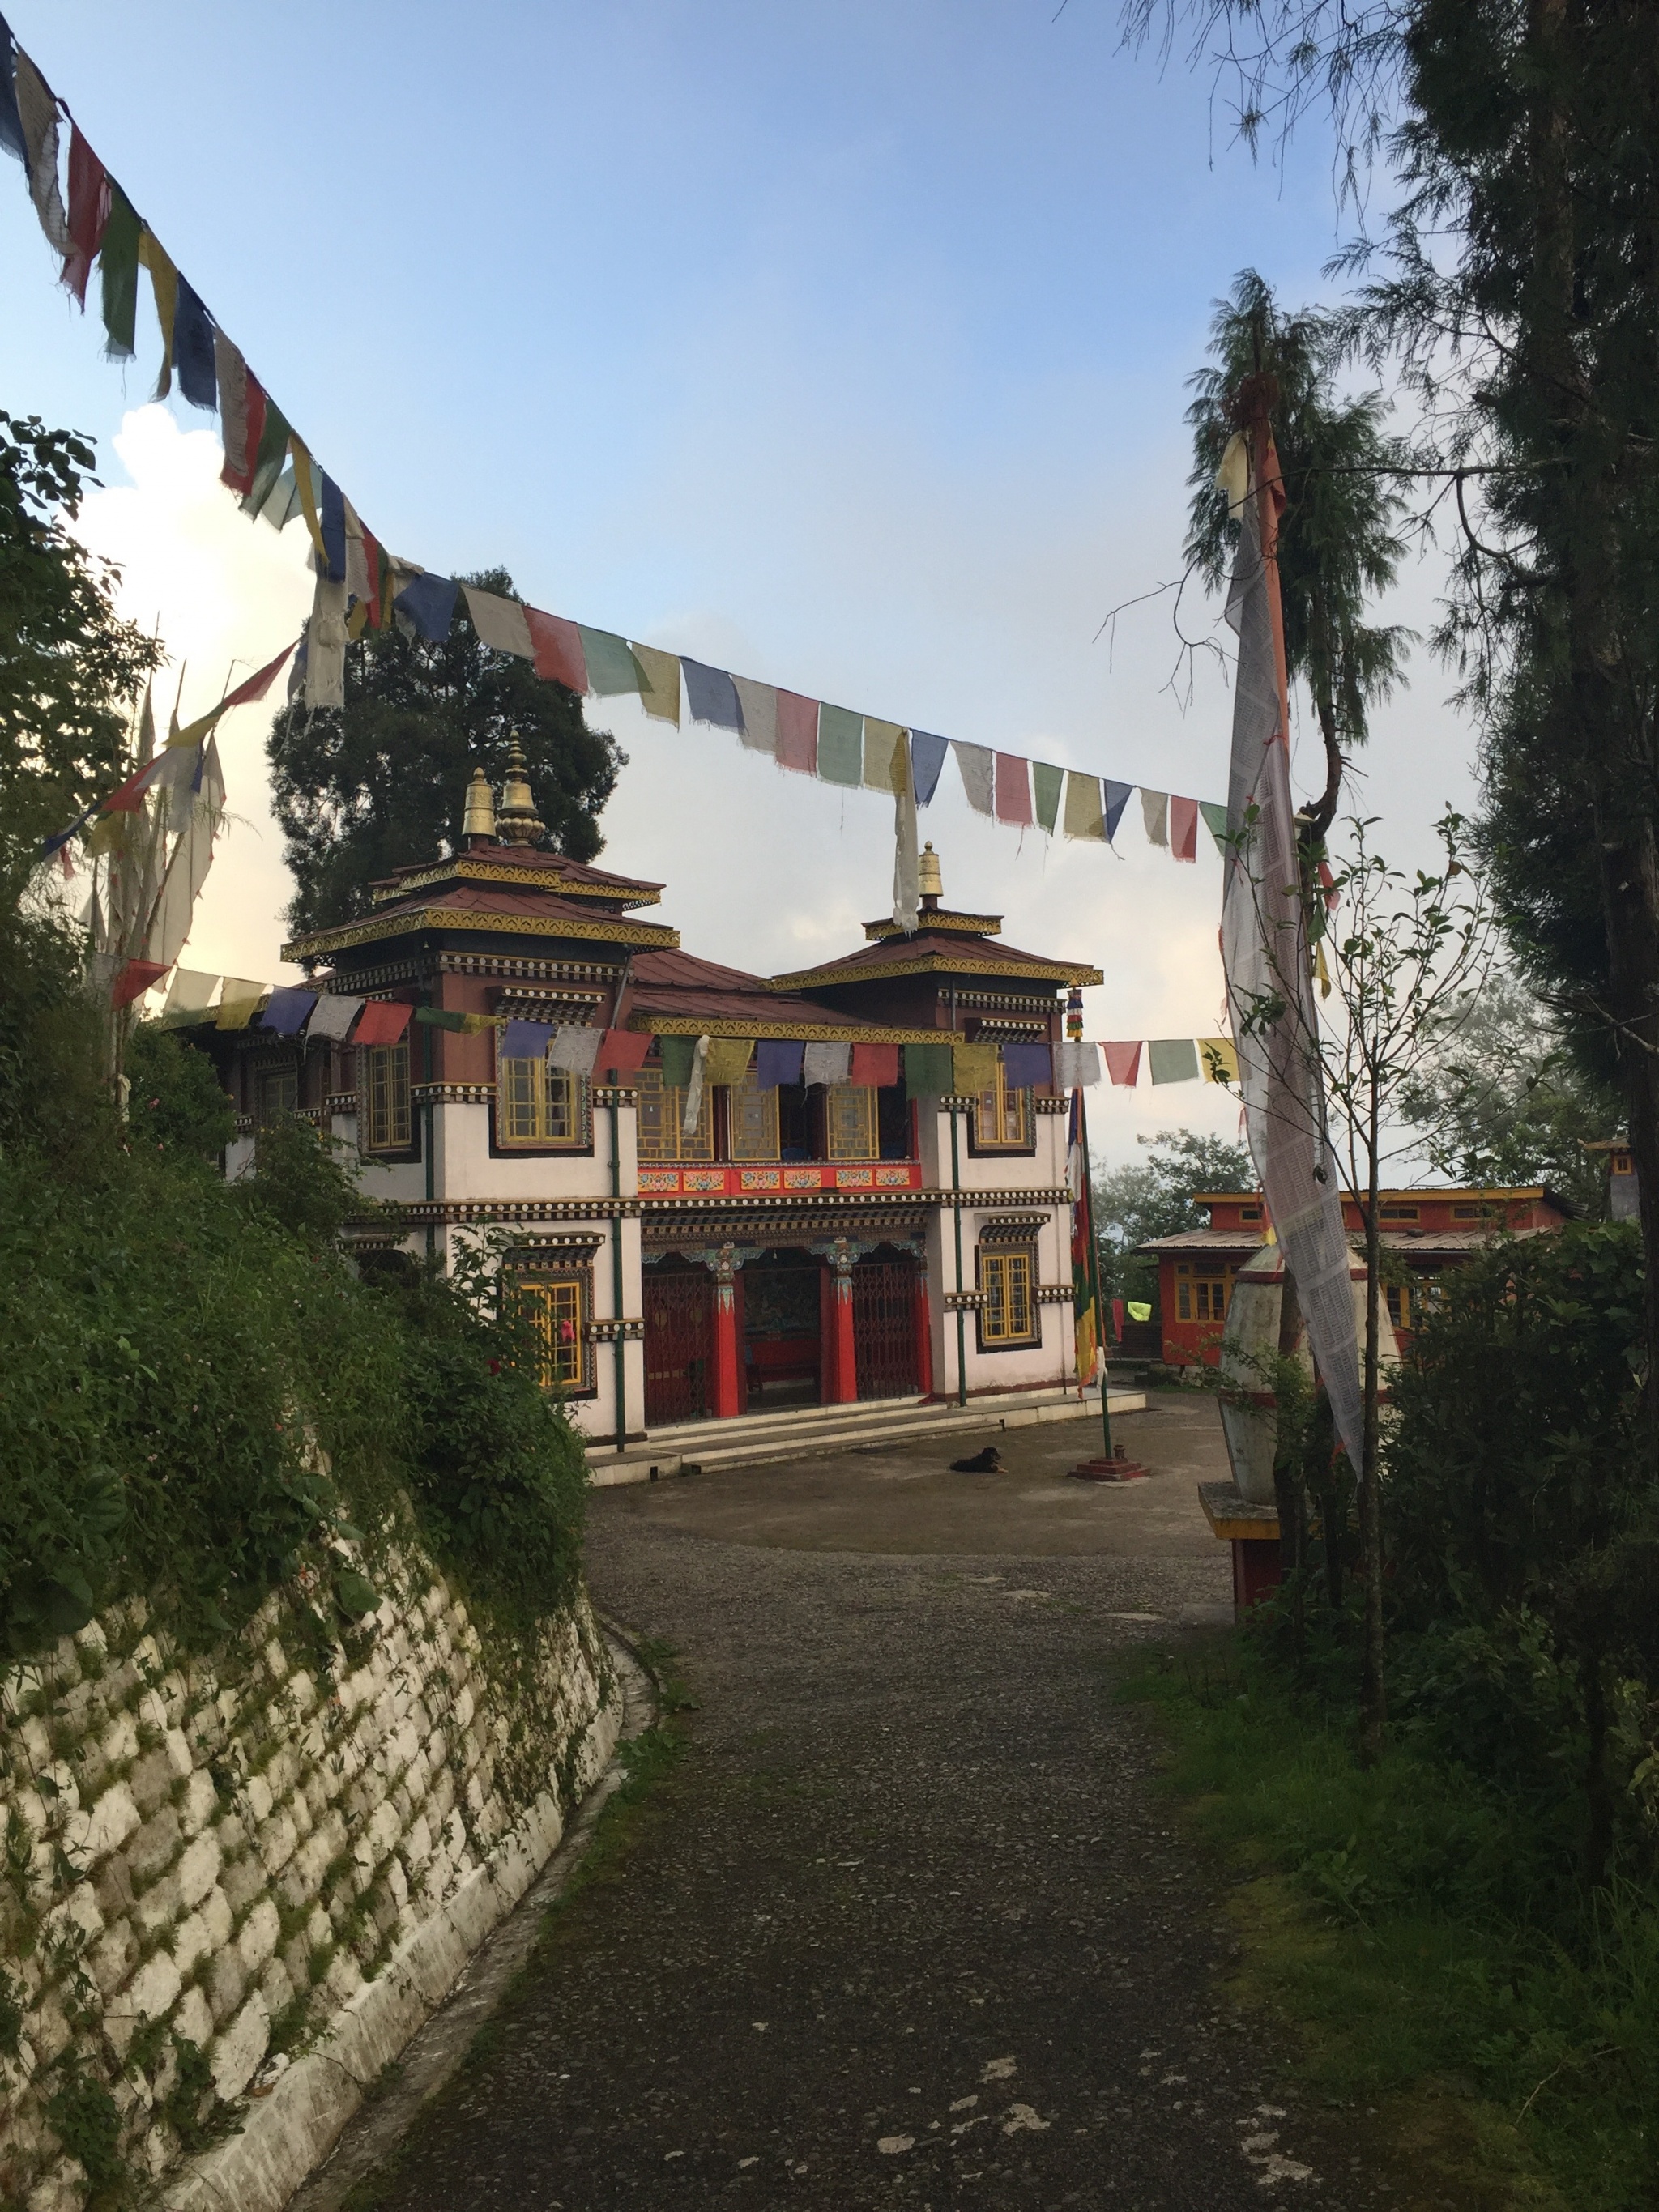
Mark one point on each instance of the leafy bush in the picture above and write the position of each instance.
(176, 1103)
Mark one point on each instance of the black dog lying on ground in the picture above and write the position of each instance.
(988, 1462)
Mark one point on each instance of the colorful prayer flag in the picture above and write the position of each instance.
(1215, 821)
(927, 758)
(192, 349)
(574, 1049)
(89, 209)
(134, 979)
(440, 1018)
(827, 1063)
(973, 1069)
(885, 758)
(118, 275)
(332, 1016)
(37, 107)
(622, 1052)
(1123, 1062)
(188, 996)
(501, 623)
(977, 767)
(1118, 796)
(798, 733)
(929, 1071)
(1077, 1062)
(778, 1061)
(1219, 1058)
(1083, 816)
(526, 1040)
(726, 1061)
(1183, 829)
(382, 1021)
(239, 1001)
(659, 691)
(1173, 1059)
(287, 1010)
(558, 647)
(1027, 1067)
(428, 603)
(1155, 814)
(1046, 783)
(677, 1055)
(759, 706)
(840, 745)
(875, 1066)
(11, 122)
(711, 695)
(164, 286)
(1013, 789)
(611, 668)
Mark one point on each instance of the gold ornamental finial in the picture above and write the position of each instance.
(517, 824)
(479, 816)
(929, 882)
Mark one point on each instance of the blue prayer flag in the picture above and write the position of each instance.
(526, 1040)
(332, 517)
(712, 695)
(11, 122)
(1027, 1066)
(286, 1010)
(927, 759)
(429, 602)
(1118, 796)
(778, 1061)
(192, 348)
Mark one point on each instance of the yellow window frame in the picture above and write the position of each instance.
(388, 1122)
(751, 1120)
(1009, 1315)
(849, 1121)
(557, 1307)
(1003, 1117)
(540, 1105)
(661, 1120)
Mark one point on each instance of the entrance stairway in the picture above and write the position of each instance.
(804, 1431)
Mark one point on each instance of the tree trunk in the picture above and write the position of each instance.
(1373, 1695)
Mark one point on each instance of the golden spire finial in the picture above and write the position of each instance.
(929, 882)
(479, 816)
(517, 824)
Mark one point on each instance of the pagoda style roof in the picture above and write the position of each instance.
(522, 868)
(674, 994)
(508, 906)
(932, 952)
(937, 919)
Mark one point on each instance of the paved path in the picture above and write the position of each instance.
(906, 1925)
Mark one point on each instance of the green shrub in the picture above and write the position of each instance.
(176, 1103)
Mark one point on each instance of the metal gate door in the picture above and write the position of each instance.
(884, 1327)
(679, 1312)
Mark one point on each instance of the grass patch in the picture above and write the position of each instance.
(1510, 2048)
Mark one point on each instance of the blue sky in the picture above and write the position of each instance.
(841, 343)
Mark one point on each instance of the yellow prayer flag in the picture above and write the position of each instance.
(1085, 816)
(471, 1024)
(1219, 1058)
(306, 482)
(164, 283)
(1321, 971)
(973, 1069)
(239, 1002)
(727, 1062)
(885, 756)
(660, 692)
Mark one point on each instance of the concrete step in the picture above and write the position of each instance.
(763, 1439)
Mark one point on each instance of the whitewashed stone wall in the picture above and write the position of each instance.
(216, 1871)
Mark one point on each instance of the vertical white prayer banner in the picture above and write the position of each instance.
(1264, 950)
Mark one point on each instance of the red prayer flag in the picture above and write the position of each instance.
(259, 684)
(622, 1052)
(1184, 828)
(1117, 1318)
(382, 1021)
(241, 479)
(877, 1065)
(798, 735)
(1123, 1062)
(1013, 789)
(559, 655)
(89, 211)
(134, 979)
(372, 562)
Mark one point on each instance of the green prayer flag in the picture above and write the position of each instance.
(928, 1071)
(436, 1018)
(840, 745)
(611, 666)
(1046, 782)
(117, 269)
(1215, 821)
(1136, 1310)
(677, 1054)
(1174, 1060)
(270, 459)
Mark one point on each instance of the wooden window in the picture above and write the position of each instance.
(1003, 1119)
(1009, 1315)
(1250, 1214)
(1399, 1304)
(849, 1120)
(1397, 1212)
(558, 1307)
(752, 1120)
(662, 1115)
(536, 1104)
(1213, 1291)
(276, 1092)
(1183, 1293)
(384, 1080)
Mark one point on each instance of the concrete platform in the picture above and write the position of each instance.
(810, 1431)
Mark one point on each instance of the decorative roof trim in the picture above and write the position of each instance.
(655, 936)
(966, 925)
(828, 1032)
(463, 868)
(934, 963)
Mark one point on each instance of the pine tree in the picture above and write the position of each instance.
(378, 785)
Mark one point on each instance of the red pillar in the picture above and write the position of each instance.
(841, 1350)
(924, 1336)
(728, 1367)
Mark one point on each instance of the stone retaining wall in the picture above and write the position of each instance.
(219, 1872)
